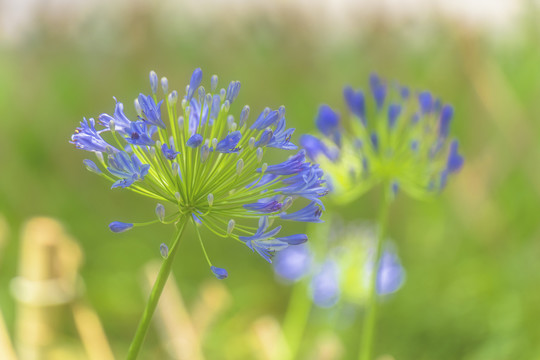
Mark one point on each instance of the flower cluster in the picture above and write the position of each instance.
(207, 163)
(343, 268)
(400, 139)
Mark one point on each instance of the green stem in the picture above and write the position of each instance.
(368, 331)
(157, 289)
(296, 318)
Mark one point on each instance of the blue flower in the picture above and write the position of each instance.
(311, 213)
(293, 263)
(140, 134)
(390, 274)
(327, 122)
(151, 110)
(121, 123)
(401, 138)
(281, 137)
(266, 118)
(356, 102)
(169, 153)
(265, 206)
(294, 165)
(230, 142)
(219, 177)
(325, 289)
(86, 137)
(129, 169)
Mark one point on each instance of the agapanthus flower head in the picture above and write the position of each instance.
(208, 165)
(395, 136)
(341, 268)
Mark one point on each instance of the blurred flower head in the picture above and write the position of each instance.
(396, 137)
(207, 163)
(342, 269)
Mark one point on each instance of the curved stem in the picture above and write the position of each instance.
(368, 330)
(157, 289)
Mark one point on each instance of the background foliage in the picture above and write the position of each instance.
(471, 256)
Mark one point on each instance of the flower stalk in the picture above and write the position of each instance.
(155, 294)
(370, 319)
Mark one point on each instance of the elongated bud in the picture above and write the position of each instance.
(233, 127)
(281, 112)
(226, 106)
(239, 166)
(181, 122)
(208, 100)
(164, 251)
(99, 155)
(220, 273)
(184, 104)
(213, 83)
(118, 226)
(158, 144)
(173, 97)
(251, 142)
(160, 212)
(230, 121)
(264, 167)
(201, 92)
(177, 196)
(287, 203)
(259, 154)
(205, 152)
(137, 107)
(152, 152)
(165, 84)
(153, 81)
(112, 126)
(222, 94)
(230, 227)
(244, 115)
(91, 166)
(214, 142)
(210, 198)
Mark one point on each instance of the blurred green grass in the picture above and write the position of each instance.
(471, 256)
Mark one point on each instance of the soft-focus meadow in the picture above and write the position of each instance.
(472, 255)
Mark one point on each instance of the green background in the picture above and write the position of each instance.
(471, 255)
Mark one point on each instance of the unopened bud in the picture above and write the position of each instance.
(213, 83)
(260, 154)
(137, 107)
(164, 251)
(165, 84)
(210, 198)
(230, 227)
(160, 209)
(239, 166)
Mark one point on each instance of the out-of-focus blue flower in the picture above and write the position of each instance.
(398, 136)
(390, 275)
(206, 164)
(293, 263)
(325, 289)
